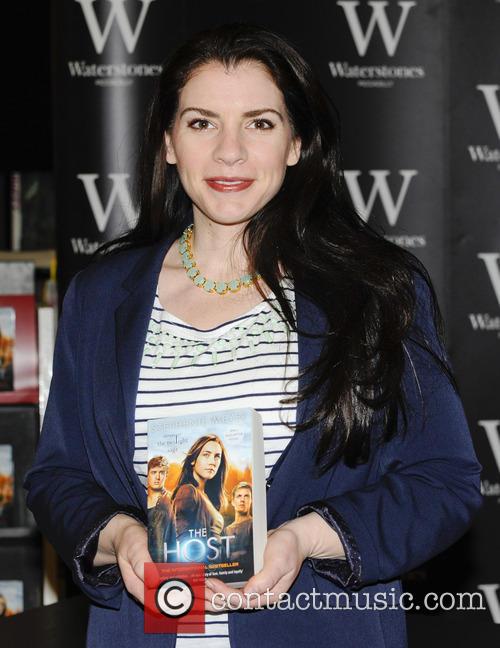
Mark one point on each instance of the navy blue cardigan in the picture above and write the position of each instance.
(415, 497)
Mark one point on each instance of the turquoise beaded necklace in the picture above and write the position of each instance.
(209, 285)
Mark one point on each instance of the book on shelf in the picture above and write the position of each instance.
(6, 485)
(32, 211)
(206, 492)
(18, 437)
(11, 597)
(20, 575)
(47, 326)
(18, 333)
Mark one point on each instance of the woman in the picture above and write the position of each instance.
(199, 494)
(369, 463)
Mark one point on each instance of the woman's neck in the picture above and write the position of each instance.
(217, 249)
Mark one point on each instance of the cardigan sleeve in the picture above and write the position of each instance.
(429, 489)
(69, 506)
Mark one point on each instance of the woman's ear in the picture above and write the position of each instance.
(170, 153)
(294, 152)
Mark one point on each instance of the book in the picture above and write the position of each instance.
(7, 338)
(206, 492)
(18, 335)
(47, 328)
(11, 597)
(19, 433)
(32, 208)
(6, 485)
(20, 575)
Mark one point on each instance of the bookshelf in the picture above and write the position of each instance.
(41, 258)
(28, 565)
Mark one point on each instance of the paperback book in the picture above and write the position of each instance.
(206, 492)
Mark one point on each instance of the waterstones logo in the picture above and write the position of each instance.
(491, 595)
(106, 74)
(83, 245)
(483, 152)
(392, 203)
(486, 321)
(116, 23)
(381, 75)
(492, 430)
(116, 15)
(119, 196)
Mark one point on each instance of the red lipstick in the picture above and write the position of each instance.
(226, 183)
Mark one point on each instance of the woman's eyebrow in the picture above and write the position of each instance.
(249, 113)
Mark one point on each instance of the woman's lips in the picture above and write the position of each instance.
(226, 186)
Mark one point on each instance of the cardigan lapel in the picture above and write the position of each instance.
(131, 323)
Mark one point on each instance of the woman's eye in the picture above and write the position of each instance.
(202, 124)
(198, 121)
(267, 124)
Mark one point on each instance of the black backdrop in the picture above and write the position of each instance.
(417, 87)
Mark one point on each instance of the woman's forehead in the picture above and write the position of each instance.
(211, 445)
(241, 87)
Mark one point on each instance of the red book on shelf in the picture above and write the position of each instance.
(18, 352)
(18, 333)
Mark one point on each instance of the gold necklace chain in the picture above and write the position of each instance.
(209, 285)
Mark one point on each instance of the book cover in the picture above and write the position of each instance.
(47, 328)
(11, 597)
(206, 492)
(20, 575)
(7, 339)
(18, 343)
(19, 433)
(32, 211)
(6, 485)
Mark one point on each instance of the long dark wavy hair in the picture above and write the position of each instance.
(214, 488)
(363, 283)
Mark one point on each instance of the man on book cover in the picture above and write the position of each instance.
(240, 530)
(161, 518)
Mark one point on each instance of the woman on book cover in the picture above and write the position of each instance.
(199, 495)
(244, 209)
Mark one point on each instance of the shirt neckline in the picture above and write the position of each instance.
(193, 332)
(167, 315)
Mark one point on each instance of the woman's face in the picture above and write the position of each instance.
(213, 137)
(208, 461)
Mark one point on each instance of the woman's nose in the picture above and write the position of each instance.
(230, 147)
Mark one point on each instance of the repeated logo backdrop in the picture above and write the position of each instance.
(475, 220)
(108, 54)
(417, 85)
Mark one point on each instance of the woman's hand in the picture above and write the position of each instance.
(286, 549)
(283, 557)
(124, 541)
